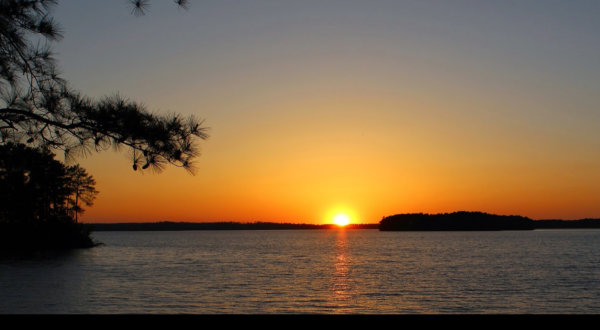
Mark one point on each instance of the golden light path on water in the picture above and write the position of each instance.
(343, 287)
(350, 285)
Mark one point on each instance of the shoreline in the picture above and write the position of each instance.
(185, 226)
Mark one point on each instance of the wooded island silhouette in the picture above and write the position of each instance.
(477, 221)
(456, 221)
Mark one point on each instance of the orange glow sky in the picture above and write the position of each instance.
(369, 108)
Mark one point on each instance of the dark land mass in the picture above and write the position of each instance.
(457, 221)
(567, 224)
(475, 221)
(179, 226)
(44, 237)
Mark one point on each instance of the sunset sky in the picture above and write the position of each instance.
(368, 108)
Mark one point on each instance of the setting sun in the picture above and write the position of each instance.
(341, 220)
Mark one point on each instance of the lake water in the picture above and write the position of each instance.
(312, 271)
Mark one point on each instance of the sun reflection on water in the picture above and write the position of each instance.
(343, 287)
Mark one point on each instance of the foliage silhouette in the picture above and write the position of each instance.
(139, 7)
(40, 198)
(83, 190)
(38, 107)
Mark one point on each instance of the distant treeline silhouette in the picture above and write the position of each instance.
(457, 221)
(180, 226)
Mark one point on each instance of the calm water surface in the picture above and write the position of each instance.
(312, 271)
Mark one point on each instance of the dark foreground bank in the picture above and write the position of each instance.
(44, 237)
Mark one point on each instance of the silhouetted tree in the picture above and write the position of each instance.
(40, 198)
(82, 188)
(38, 107)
